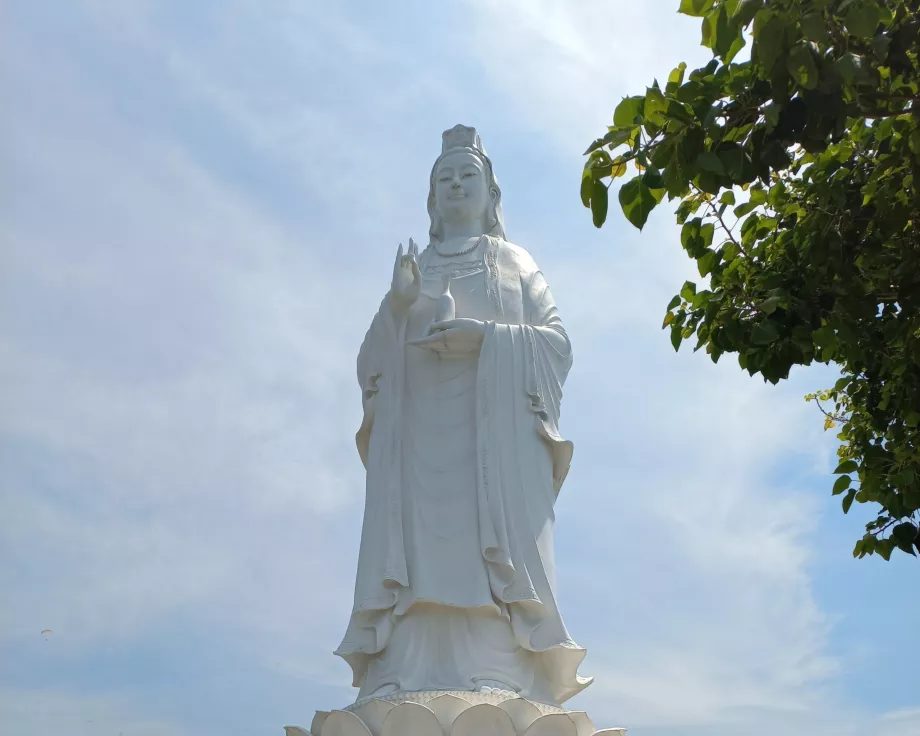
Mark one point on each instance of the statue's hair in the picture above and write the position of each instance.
(494, 213)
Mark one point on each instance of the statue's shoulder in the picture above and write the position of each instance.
(515, 256)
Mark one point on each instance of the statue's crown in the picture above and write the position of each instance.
(461, 136)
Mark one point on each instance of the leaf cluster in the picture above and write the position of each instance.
(798, 179)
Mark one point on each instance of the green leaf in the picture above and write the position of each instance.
(742, 209)
(738, 43)
(848, 500)
(725, 33)
(707, 231)
(813, 27)
(884, 548)
(905, 532)
(768, 306)
(727, 198)
(758, 195)
(841, 484)
(863, 18)
(824, 337)
(655, 183)
(708, 161)
(690, 233)
(853, 68)
(764, 333)
(709, 182)
(842, 383)
(676, 77)
(679, 111)
(695, 8)
(903, 478)
(614, 138)
(775, 156)
(706, 261)
(801, 66)
(637, 201)
(587, 186)
(599, 198)
(914, 141)
(676, 336)
(732, 159)
(674, 303)
(629, 112)
(706, 30)
(745, 11)
(655, 104)
(771, 115)
(847, 466)
(880, 46)
(770, 42)
(688, 291)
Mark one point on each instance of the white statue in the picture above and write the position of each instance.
(462, 372)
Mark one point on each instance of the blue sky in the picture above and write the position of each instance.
(199, 208)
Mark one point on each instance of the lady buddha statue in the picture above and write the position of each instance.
(456, 585)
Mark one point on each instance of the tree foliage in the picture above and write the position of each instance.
(798, 179)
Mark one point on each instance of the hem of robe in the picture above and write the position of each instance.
(560, 660)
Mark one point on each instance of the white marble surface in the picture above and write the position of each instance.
(461, 374)
(452, 713)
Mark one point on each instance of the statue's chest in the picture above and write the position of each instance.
(480, 287)
(468, 286)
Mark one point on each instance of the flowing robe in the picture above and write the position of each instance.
(456, 571)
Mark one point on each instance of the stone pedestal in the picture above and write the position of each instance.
(451, 713)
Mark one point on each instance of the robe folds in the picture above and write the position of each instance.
(479, 543)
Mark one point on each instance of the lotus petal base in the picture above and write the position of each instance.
(451, 713)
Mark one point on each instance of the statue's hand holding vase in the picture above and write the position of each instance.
(462, 335)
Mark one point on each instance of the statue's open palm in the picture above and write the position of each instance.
(407, 278)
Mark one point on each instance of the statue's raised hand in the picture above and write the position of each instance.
(407, 278)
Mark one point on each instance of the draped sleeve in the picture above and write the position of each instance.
(549, 359)
(377, 359)
(523, 461)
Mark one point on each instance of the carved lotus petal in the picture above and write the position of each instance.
(319, 719)
(432, 713)
(373, 713)
(410, 719)
(554, 724)
(483, 720)
(447, 708)
(583, 725)
(522, 713)
(344, 723)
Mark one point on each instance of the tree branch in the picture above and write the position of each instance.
(718, 216)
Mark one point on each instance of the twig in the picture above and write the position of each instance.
(728, 231)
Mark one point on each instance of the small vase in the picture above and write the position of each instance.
(446, 308)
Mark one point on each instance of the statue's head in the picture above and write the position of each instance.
(463, 187)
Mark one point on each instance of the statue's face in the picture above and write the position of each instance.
(461, 187)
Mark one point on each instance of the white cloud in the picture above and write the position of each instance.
(565, 65)
(171, 342)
